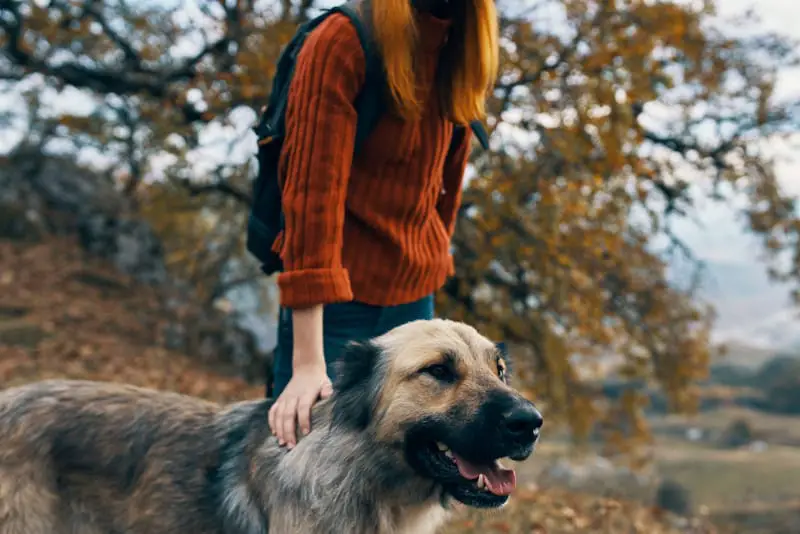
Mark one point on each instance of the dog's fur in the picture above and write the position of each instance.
(102, 458)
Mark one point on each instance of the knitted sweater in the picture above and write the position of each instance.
(375, 228)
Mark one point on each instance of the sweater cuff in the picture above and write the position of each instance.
(310, 287)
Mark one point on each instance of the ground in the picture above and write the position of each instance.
(755, 488)
(65, 315)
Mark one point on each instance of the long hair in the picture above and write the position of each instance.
(468, 65)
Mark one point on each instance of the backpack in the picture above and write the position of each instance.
(266, 219)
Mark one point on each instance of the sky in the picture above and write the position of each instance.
(750, 309)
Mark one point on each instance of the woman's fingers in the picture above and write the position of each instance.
(288, 421)
(291, 410)
(271, 417)
(327, 390)
(304, 411)
(279, 411)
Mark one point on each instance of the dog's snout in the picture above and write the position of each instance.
(523, 420)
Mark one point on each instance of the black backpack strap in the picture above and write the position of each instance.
(477, 128)
(369, 103)
(480, 133)
(271, 121)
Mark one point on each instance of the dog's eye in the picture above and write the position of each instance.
(440, 372)
(501, 370)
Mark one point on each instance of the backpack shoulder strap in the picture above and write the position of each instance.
(477, 128)
(369, 103)
(480, 133)
(270, 123)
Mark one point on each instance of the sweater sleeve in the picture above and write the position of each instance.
(315, 164)
(453, 179)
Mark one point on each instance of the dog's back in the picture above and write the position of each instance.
(91, 457)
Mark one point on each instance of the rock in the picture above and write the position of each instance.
(21, 334)
(57, 195)
(9, 312)
(99, 281)
(131, 245)
(19, 224)
(174, 336)
(674, 497)
(694, 434)
(221, 336)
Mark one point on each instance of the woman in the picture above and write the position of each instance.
(367, 238)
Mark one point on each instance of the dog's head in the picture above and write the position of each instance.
(439, 391)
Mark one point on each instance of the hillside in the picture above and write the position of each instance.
(66, 315)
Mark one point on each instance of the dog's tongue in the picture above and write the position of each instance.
(499, 480)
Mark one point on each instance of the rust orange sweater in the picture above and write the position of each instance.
(376, 228)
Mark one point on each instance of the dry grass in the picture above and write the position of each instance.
(722, 479)
(730, 479)
(771, 428)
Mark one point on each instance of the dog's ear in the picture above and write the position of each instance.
(355, 387)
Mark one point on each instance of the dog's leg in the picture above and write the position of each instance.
(27, 502)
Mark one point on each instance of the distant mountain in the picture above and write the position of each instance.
(744, 355)
(777, 332)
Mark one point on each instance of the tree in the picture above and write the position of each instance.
(157, 80)
(565, 233)
(779, 380)
(561, 233)
(737, 434)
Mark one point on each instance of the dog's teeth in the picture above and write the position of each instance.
(481, 482)
(449, 454)
(442, 447)
(499, 464)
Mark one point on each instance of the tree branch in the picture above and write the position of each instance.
(132, 79)
(223, 188)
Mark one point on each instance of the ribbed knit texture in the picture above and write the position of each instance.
(375, 229)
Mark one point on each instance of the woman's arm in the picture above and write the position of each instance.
(315, 164)
(315, 167)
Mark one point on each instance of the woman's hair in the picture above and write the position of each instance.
(468, 65)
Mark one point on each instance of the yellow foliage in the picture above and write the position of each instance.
(560, 232)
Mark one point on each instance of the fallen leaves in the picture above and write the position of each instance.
(70, 317)
(561, 512)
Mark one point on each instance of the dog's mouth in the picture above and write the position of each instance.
(493, 477)
(480, 484)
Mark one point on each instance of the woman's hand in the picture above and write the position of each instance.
(309, 383)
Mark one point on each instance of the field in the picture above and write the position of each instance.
(754, 489)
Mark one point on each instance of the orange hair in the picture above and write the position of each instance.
(469, 63)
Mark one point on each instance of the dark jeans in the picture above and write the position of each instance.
(342, 323)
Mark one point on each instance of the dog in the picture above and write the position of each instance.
(420, 417)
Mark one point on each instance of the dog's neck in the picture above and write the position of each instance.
(345, 481)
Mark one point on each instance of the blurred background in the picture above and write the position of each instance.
(633, 234)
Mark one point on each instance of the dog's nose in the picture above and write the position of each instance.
(523, 421)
